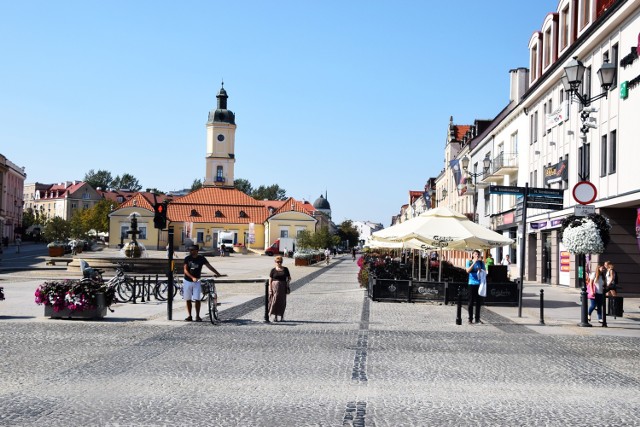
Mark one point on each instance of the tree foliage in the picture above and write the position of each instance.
(100, 179)
(347, 231)
(263, 192)
(57, 229)
(271, 192)
(126, 182)
(243, 185)
(197, 184)
(319, 240)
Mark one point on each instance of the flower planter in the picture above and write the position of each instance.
(96, 313)
(301, 262)
(56, 251)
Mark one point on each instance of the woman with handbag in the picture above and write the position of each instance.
(279, 280)
(474, 267)
(595, 290)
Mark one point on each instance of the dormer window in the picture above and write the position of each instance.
(194, 213)
(243, 214)
(218, 214)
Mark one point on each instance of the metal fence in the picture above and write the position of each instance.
(391, 290)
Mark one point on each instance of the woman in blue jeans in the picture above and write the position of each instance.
(474, 265)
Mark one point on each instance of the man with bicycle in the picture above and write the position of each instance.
(192, 289)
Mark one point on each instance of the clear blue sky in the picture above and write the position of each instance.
(348, 97)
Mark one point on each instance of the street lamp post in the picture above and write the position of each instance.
(434, 197)
(572, 82)
(486, 163)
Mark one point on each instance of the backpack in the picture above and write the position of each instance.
(616, 278)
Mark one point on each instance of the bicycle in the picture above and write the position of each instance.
(209, 287)
(161, 290)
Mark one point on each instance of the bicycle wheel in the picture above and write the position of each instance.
(213, 306)
(161, 290)
(204, 294)
(125, 290)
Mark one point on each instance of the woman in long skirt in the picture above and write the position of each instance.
(279, 279)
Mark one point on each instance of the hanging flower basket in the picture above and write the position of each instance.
(585, 235)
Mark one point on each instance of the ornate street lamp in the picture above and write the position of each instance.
(574, 75)
(572, 82)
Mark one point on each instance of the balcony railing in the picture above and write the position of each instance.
(502, 164)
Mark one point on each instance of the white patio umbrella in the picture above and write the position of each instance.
(444, 229)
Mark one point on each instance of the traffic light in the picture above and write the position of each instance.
(160, 215)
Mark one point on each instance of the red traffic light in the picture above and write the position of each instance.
(159, 208)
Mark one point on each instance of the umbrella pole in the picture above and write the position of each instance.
(440, 267)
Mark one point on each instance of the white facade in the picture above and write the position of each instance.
(365, 229)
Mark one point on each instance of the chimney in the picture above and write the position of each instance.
(518, 82)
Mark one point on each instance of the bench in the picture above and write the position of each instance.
(54, 260)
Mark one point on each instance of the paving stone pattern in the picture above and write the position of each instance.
(337, 360)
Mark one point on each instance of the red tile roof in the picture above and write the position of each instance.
(218, 196)
(298, 206)
(460, 131)
(203, 204)
(138, 200)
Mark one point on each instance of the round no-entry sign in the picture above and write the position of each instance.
(584, 192)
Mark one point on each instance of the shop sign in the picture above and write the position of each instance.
(556, 173)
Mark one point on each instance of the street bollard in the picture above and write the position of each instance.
(133, 290)
(584, 310)
(459, 307)
(604, 310)
(542, 306)
(266, 302)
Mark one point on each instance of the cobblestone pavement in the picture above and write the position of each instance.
(337, 360)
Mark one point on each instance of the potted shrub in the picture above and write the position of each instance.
(75, 298)
(55, 249)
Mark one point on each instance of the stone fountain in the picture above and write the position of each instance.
(134, 249)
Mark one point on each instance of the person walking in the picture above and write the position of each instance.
(489, 262)
(474, 265)
(611, 279)
(192, 288)
(18, 244)
(353, 253)
(327, 255)
(595, 291)
(279, 280)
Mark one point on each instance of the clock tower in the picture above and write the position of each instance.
(221, 138)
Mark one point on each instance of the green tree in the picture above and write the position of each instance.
(28, 219)
(57, 229)
(97, 217)
(319, 240)
(243, 185)
(347, 231)
(271, 192)
(323, 239)
(197, 184)
(101, 179)
(126, 182)
(77, 227)
(305, 239)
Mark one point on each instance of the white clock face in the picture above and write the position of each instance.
(221, 137)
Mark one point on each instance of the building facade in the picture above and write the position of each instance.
(11, 199)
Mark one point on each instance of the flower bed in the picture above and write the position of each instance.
(74, 296)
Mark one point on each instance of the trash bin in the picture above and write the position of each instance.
(615, 306)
